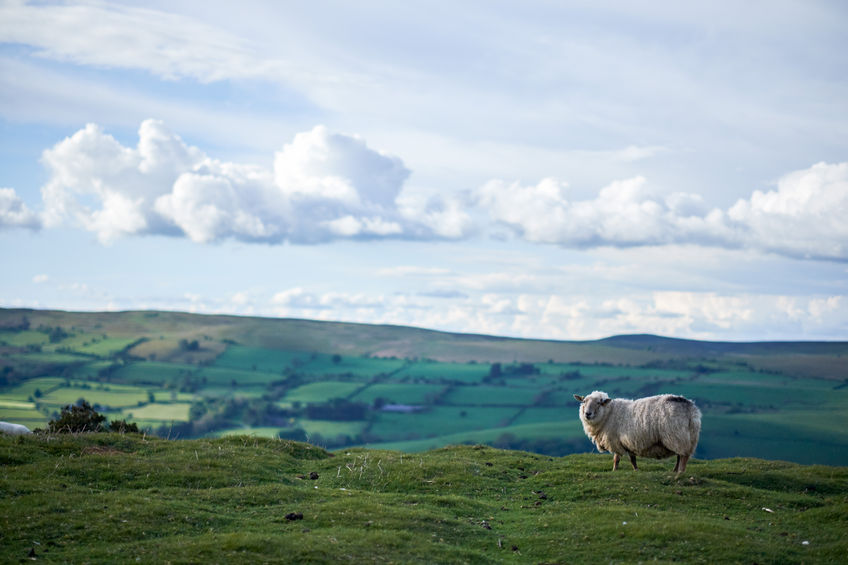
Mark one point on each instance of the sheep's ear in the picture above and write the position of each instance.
(579, 398)
(605, 401)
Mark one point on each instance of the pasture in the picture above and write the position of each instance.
(213, 375)
(115, 498)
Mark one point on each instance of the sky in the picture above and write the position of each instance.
(540, 169)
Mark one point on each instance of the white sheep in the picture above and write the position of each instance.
(13, 429)
(656, 426)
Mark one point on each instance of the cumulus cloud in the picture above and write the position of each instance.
(803, 218)
(623, 213)
(324, 186)
(14, 213)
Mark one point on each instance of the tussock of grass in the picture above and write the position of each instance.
(123, 498)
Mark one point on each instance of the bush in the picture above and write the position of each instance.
(123, 427)
(80, 417)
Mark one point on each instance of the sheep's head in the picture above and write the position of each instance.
(592, 407)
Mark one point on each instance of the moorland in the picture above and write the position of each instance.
(131, 498)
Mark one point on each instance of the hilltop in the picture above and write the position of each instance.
(161, 332)
(102, 498)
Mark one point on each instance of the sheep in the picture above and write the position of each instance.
(656, 426)
(13, 429)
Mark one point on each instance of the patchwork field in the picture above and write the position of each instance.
(180, 375)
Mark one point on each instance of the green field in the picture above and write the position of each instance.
(109, 395)
(433, 371)
(110, 498)
(329, 429)
(350, 384)
(395, 393)
(177, 411)
(321, 391)
(152, 372)
(491, 396)
(440, 420)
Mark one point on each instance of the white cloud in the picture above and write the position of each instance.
(412, 270)
(114, 36)
(40, 279)
(623, 213)
(14, 213)
(697, 315)
(326, 166)
(803, 218)
(324, 186)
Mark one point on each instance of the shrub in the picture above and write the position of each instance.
(80, 417)
(123, 427)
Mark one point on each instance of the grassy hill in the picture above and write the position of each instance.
(340, 385)
(106, 498)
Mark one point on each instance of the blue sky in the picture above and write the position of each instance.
(561, 170)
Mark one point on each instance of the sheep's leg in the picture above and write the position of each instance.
(615, 459)
(676, 465)
(633, 462)
(681, 463)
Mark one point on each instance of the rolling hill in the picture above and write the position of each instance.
(341, 384)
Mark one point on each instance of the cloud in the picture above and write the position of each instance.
(14, 213)
(324, 186)
(623, 214)
(412, 270)
(327, 186)
(115, 36)
(39, 279)
(698, 315)
(803, 218)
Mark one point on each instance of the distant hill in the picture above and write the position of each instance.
(401, 341)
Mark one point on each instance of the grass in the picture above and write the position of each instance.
(322, 391)
(491, 396)
(105, 498)
(398, 393)
(555, 430)
(468, 373)
(330, 429)
(440, 420)
(110, 395)
(177, 412)
(259, 359)
(217, 376)
(31, 388)
(153, 372)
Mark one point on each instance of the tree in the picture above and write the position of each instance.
(187, 345)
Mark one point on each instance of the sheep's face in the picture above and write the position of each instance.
(592, 407)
